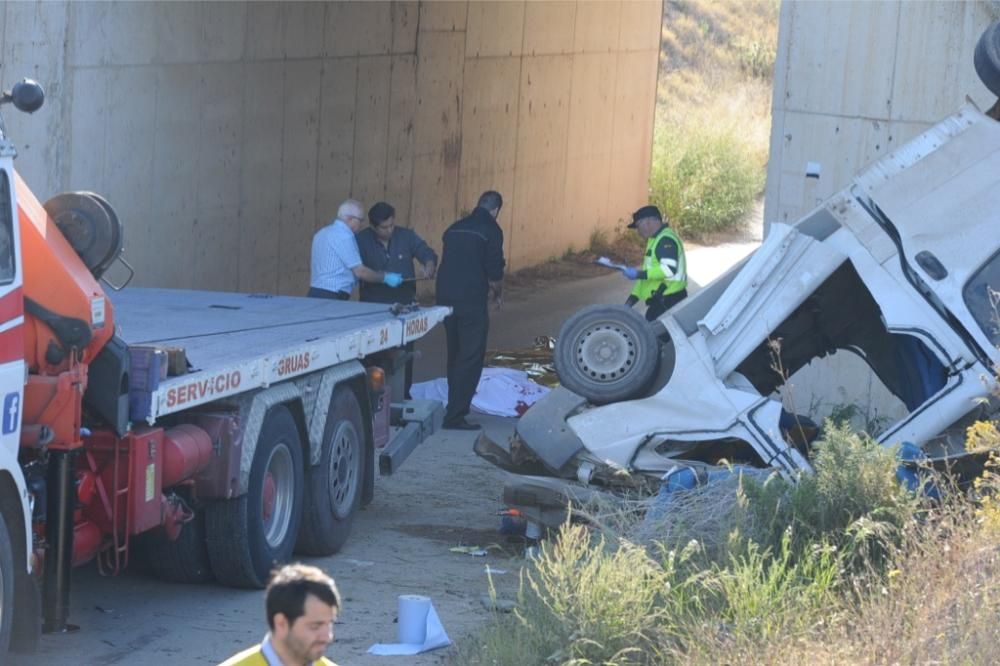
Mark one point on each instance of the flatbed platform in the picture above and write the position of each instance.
(239, 342)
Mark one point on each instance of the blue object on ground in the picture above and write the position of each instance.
(909, 474)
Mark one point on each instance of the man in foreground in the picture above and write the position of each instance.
(471, 275)
(661, 281)
(335, 264)
(302, 604)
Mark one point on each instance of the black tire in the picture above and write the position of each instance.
(987, 58)
(245, 539)
(184, 560)
(606, 353)
(334, 486)
(7, 581)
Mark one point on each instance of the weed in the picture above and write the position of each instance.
(704, 176)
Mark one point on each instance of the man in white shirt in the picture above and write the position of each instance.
(336, 263)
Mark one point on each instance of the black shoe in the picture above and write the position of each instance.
(460, 424)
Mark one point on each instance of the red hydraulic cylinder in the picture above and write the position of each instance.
(187, 449)
(87, 539)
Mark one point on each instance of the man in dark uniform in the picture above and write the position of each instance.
(386, 248)
(471, 275)
(389, 248)
(661, 281)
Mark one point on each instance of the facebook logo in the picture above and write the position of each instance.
(11, 412)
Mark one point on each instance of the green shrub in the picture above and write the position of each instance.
(704, 176)
(853, 500)
(756, 58)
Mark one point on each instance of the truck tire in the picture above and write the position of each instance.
(184, 560)
(606, 353)
(7, 582)
(247, 536)
(333, 487)
(987, 58)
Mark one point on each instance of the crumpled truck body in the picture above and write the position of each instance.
(900, 268)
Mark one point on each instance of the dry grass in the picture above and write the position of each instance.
(719, 585)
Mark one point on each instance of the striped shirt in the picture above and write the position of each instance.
(334, 254)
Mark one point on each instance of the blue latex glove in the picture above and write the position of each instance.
(631, 273)
(393, 279)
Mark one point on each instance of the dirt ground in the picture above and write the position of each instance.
(444, 496)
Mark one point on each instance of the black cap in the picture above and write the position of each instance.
(644, 212)
(380, 212)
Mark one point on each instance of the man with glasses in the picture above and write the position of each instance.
(336, 263)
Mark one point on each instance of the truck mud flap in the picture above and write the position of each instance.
(417, 420)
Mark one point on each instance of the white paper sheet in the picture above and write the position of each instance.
(604, 261)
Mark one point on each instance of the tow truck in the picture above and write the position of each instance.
(212, 434)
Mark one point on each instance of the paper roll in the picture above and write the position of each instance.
(413, 609)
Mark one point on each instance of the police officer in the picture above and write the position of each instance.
(661, 281)
(470, 275)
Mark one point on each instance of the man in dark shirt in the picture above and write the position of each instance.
(471, 275)
(390, 249)
(386, 248)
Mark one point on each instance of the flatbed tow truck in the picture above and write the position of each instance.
(211, 434)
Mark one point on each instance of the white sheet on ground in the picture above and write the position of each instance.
(501, 392)
(435, 637)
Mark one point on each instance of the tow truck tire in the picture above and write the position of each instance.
(333, 487)
(249, 535)
(606, 353)
(987, 58)
(7, 576)
(184, 560)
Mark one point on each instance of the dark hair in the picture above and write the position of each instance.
(289, 587)
(490, 200)
(380, 212)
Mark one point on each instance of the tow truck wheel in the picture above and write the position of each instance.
(333, 487)
(184, 560)
(606, 353)
(6, 587)
(249, 535)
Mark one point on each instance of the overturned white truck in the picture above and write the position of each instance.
(900, 268)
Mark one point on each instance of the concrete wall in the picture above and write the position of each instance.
(225, 134)
(853, 80)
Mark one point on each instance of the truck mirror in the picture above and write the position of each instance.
(27, 95)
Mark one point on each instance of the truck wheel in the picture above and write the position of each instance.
(248, 535)
(987, 58)
(606, 353)
(184, 560)
(7, 575)
(333, 487)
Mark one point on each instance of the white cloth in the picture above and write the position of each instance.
(501, 392)
(334, 254)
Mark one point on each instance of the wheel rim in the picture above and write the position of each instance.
(606, 351)
(278, 495)
(344, 455)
